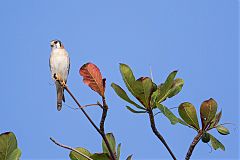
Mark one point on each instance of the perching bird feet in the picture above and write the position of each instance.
(58, 78)
(63, 84)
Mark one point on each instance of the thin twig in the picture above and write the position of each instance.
(210, 147)
(161, 112)
(93, 124)
(100, 104)
(228, 123)
(155, 131)
(88, 105)
(193, 144)
(70, 148)
(74, 108)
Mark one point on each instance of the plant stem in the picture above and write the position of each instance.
(93, 124)
(70, 148)
(155, 131)
(193, 144)
(103, 118)
(104, 114)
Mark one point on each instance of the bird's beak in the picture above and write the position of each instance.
(51, 44)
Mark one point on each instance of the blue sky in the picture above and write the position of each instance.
(199, 38)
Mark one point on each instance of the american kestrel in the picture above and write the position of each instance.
(59, 63)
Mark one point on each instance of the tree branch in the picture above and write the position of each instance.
(104, 114)
(93, 124)
(193, 144)
(70, 148)
(103, 118)
(155, 131)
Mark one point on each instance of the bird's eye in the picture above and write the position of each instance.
(55, 42)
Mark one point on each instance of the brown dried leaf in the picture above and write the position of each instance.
(93, 78)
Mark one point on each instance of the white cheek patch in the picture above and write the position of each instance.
(58, 45)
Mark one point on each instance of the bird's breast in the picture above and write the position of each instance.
(59, 62)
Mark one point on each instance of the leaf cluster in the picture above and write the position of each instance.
(151, 96)
(209, 120)
(104, 155)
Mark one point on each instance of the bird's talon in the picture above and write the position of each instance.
(54, 77)
(57, 77)
(63, 83)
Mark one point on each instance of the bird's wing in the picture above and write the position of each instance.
(68, 61)
(50, 62)
(68, 64)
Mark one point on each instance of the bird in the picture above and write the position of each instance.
(59, 64)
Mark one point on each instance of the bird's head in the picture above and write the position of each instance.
(56, 44)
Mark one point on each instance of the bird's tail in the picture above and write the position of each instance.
(60, 96)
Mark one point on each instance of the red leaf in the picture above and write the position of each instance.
(92, 77)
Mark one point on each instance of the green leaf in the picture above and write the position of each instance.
(134, 111)
(176, 87)
(118, 151)
(188, 113)
(146, 88)
(184, 123)
(154, 97)
(129, 79)
(8, 147)
(129, 157)
(173, 119)
(112, 143)
(76, 156)
(216, 143)
(222, 130)
(208, 110)
(216, 120)
(15, 155)
(166, 86)
(100, 156)
(121, 93)
(142, 88)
